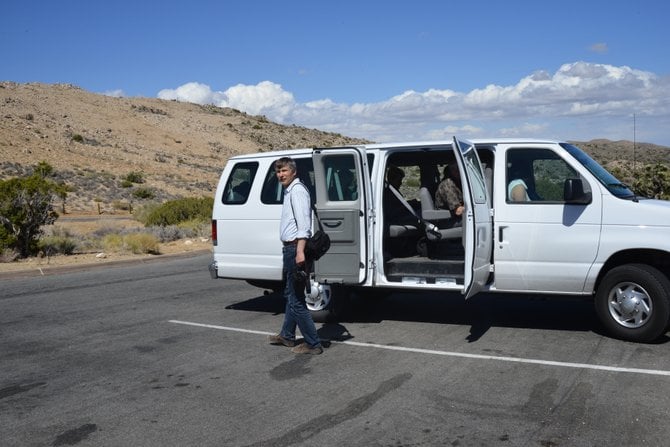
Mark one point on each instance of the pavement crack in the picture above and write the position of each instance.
(355, 408)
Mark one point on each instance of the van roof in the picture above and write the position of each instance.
(395, 145)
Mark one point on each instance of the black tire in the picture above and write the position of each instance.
(633, 302)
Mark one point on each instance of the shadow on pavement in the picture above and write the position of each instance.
(481, 312)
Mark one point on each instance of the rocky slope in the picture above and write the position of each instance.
(94, 141)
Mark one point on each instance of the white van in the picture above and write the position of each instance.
(581, 231)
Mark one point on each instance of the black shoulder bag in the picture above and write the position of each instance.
(319, 243)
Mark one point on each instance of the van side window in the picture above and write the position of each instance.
(273, 193)
(538, 175)
(239, 183)
(341, 176)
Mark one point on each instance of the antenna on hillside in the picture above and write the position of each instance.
(634, 144)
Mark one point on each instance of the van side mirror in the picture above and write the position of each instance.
(573, 192)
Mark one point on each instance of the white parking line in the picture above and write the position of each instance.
(653, 372)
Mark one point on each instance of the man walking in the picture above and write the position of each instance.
(294, 230)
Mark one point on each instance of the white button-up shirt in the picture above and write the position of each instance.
(296, 213)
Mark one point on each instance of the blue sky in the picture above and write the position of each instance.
(383, 70)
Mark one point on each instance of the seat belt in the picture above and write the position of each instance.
(429, 226)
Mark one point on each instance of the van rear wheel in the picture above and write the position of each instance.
(330, 306)
(633, 302)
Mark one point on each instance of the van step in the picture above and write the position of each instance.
(427, 269)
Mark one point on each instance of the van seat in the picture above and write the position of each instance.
(396, 230)
(437, 217)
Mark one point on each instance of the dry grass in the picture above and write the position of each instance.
(86, 227)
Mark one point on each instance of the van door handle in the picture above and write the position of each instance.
(500, 233)
(331, 224)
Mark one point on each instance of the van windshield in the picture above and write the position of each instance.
(613, 185)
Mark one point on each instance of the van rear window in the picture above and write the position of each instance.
(239, 183)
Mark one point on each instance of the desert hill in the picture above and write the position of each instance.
(95, 141)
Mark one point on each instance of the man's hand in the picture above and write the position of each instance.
(300, 251)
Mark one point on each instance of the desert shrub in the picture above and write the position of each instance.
(77, 138)
(140, 243)
(652, 181)
(196, 227)
(43, 169)
(126, 183)
(187, 229)
(174, 212)
(52, 245)
(112, 242)
(101, 232)
(144, 193)
(135, 177)
(8, 255)
(136, 243)
(167, 233)
(120, 205)
(142, 212)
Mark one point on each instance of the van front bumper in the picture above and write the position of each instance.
(214, 270)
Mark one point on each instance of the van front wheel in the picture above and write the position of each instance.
(633, 302)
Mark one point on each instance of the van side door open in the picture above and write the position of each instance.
(477, 222)
(342, 198)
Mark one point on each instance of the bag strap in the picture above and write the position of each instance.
(318, 220)
(316, 214)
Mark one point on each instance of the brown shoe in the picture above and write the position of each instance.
(304, 348)
(279, 340)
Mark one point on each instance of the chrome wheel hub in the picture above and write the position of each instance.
(630, 305)
(318, 296)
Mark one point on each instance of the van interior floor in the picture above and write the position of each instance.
(422, 269)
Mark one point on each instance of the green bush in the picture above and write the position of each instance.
(135, 177)
(26, 206)
(177, 211)
(144, 193)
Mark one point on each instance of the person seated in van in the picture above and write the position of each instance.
(349, 186)
(395, 212)
(241, 191)
(449, 195)
(517, 189)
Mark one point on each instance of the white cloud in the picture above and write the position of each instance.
(263, 98)
(118, 93)
(524, 130)
(448, 131)
(193, 92)
(540, 104)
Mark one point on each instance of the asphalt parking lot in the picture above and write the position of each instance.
(160, 354)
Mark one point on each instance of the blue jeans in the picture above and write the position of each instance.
(296, 313)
